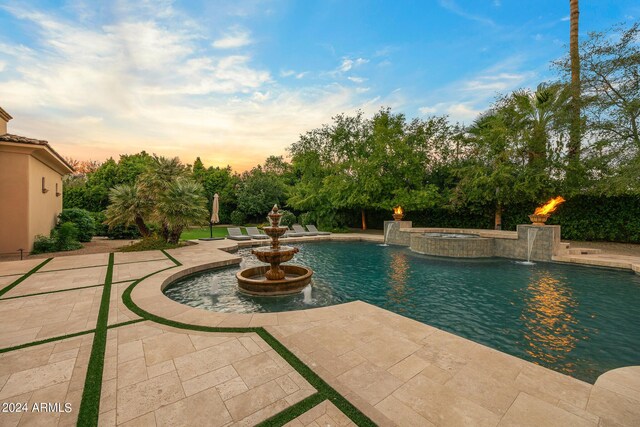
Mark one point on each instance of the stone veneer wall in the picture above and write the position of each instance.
(546, 243)
(478, 247)
(394, 234)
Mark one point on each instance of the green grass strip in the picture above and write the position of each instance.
(128, 322)
(175, 261)
(318, 383)
(51, 292)
(23, 278)
(90, 404)
(293, 412)
(45, 341)
(325, 391)
(64, 337)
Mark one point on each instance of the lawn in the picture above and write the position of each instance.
(200, 233)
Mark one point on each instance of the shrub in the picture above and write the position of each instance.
(43, 244)
(122, 232)
(287, 219)
(306, 218)
(66, 237)
(85, 226)
(238, 217)
(98, 219)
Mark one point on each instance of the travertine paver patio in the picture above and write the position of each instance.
(393, 369)
(47, 373)
(39, 317)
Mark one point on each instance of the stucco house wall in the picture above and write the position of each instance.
(14, 201)
(43, 207)
(25, 209)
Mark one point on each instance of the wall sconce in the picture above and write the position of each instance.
(58, 194)
(44, 189)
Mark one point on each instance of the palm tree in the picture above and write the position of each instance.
(126, 207)
(537, 113)
(180, 205)
(155, 181)
(574, 54)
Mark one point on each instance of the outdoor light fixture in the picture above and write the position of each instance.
(44, 189)
(58, 194)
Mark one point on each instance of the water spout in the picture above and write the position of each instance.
(386, 235)
(306, 292)
(531, 232)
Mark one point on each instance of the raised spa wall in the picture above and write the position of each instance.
(487, 243)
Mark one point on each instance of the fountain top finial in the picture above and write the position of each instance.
(275, 208)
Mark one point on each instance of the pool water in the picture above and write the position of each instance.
(580, 321)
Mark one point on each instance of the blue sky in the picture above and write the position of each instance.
(235, 81)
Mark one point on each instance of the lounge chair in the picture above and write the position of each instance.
(312, 228)
(254, 233)
(298, 229)
(290, 233)
(234, 233)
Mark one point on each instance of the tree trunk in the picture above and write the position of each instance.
(174, 236)
(142, 227)
(364, 220)
(165, 232)
(498, 218)
(574, 54)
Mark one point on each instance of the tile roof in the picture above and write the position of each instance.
(8, 137)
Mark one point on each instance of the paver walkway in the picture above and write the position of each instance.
(389, 369)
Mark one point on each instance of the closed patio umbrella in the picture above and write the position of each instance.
(215, 208)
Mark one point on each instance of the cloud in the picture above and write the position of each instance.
(357, 80)
(292, 73)
(348, 64)
(565, 18)
(464, 99)
(155, 83)
(234, 39)
(453, 7)
(427, 110)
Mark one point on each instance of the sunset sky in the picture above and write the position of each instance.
(236, 81)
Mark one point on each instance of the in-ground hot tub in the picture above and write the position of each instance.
(458, 245)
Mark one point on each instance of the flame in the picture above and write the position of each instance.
(550, 206)
(398, 210)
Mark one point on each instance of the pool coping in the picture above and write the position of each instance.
(148, 295)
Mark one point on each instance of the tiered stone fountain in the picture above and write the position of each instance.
(274, 279)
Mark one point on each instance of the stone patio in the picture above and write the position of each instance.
(394, 370)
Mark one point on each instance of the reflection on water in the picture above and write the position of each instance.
(550, 327)
(398, 273)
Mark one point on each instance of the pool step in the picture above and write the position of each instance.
(584, 251)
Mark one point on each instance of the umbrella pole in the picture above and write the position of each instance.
(211, 229)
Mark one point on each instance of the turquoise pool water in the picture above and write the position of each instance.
(577, 320)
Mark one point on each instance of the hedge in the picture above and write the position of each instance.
(596, 218)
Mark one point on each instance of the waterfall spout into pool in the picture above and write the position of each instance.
(531, 238)
(386, 235)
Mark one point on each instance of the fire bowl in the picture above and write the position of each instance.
(538, 220)
(398, 216)
(253, 281)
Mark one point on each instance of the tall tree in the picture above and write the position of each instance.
(574, 53)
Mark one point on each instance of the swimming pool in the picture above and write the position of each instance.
(580, 321)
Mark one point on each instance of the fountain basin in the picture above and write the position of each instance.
(280, 255)
(253, 280)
